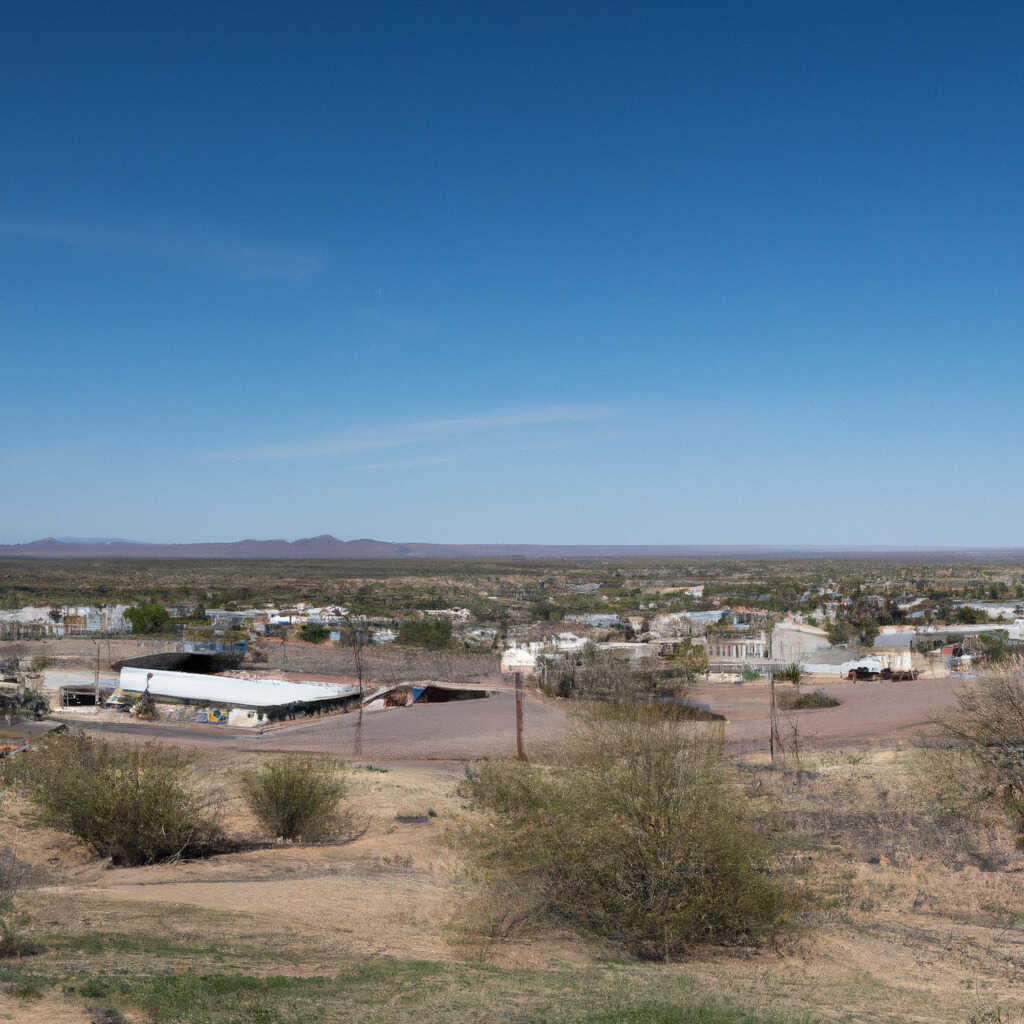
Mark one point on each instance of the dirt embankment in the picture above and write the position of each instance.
(385, 664)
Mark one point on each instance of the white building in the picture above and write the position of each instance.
(247, 701)
(738, 645)
(791, 641)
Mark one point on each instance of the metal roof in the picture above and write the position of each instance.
(250, 693)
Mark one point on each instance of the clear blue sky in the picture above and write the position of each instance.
(710, 273)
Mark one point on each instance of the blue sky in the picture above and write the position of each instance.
(712, 273)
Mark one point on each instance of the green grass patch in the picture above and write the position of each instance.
(660, 1013)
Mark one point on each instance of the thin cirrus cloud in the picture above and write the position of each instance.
(403, 463)
(183, 245)
(425, 431)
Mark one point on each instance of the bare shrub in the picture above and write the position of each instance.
(637, 835)
(298, 797)
(606, 676)
(987, 724)
(13, 876)
(136, 805)
(867, 812)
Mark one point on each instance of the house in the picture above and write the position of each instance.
(738, 644)
(519, 659)
(226, 619)
(596, 620)
(183, 609)
(452, 614)
(76, 620)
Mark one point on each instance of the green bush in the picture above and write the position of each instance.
(806, 701)
(791, 673)
(136, 805)
(145, 707)
(148, 618)
(314, 634)
(434, 634)
(637, 835)
(298, 797)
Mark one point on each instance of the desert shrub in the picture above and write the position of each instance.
(637, 835)
(13, 875)
(313, 633)
(434, 634)
(145, 707)
(792, 701)
(987, 724)
(597, 675)
(136, 805)
(791, 673)
(298, 797)
(27, 704)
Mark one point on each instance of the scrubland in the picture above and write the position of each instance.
(911, 909)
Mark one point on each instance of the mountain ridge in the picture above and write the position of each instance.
(327, 546)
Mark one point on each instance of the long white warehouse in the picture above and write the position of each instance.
(228, 691)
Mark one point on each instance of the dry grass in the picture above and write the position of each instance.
(905, 924)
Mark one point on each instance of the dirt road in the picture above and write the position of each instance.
(457, 730)
(870, 714)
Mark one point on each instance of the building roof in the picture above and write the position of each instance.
(893, 641)
(801, 627)
(251, 693)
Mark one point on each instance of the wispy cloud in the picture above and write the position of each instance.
(181, 244)
(424, 431)
(403, 463)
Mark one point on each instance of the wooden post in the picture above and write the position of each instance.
(97, 679)
(520, 752)
(773, 735)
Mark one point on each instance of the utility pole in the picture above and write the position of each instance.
(96, 679)
(356, 636)
(773, 735)
(520, 752)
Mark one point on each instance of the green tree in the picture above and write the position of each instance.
(693, 660)
(840, 632)
(148, 618)
(867, 630)
(968, 616)
(314, 634)
(434, 634)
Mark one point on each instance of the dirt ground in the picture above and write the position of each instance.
(897, 931)
(908, 921)
(870, 715)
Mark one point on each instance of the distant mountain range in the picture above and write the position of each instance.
(326, 546)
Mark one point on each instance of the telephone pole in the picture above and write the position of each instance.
(520, 752)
